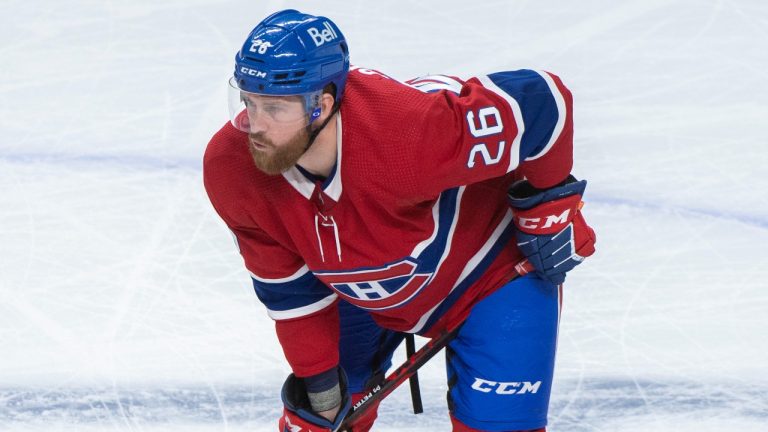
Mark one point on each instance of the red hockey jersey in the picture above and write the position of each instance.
(413, 223)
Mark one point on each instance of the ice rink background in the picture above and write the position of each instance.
(123, 303)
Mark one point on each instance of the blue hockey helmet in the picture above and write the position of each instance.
(288, 54)
(292, 53)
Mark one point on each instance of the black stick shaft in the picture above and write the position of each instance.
(413, 381)
(402, 373)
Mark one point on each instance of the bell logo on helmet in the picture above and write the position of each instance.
(253, 72)
(320, 37)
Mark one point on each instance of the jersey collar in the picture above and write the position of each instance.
(332, 186)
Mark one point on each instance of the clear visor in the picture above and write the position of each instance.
(254, 112)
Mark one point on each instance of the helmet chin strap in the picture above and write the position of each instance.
(314, 133)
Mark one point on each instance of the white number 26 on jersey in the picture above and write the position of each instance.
(479, 128)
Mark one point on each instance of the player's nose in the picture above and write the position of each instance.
(257, 122)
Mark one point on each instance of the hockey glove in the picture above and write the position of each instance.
(298, 415)
(550, 229)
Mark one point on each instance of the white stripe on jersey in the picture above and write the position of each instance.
(436, 82)
(514, 152)
(561, 114)
(449, 241)
(475, 260)
(429, 87)
(436, 222)
(302, 311)
(471, 264)
(333, 190)
(299, 273)
(447, 250)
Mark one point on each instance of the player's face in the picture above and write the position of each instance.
(277, 126)
(278, 134)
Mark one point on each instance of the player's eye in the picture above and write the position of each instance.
(274, 108)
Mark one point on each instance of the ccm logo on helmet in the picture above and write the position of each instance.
(320, 37)
(253, 72)
(505, 388)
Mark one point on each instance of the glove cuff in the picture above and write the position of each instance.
(296, 401)
(522, 195)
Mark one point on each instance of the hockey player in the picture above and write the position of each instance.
(364, 207)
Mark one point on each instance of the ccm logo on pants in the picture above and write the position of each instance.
(505, 388)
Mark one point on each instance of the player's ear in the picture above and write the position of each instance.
(326, 105)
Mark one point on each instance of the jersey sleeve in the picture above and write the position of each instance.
(489, 126)
(282, 281)
(303, 308)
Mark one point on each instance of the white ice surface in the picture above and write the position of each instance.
(124, 306)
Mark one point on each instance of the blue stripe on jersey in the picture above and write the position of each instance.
(471, 278)
(283, 297)
(427, 259)
(538, 105)
(430, 257)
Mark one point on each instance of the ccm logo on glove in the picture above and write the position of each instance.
(548, 218)
(533, 223)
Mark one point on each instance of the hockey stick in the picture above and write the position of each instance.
(412, 364)
(413, 381)
(400, 375)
